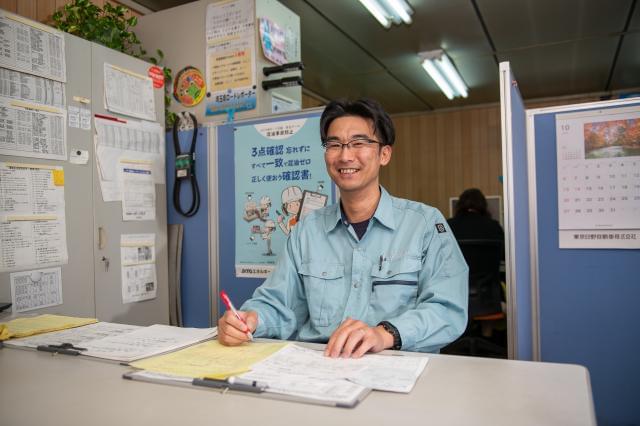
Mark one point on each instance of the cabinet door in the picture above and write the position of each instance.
(77, 274)
(109, 225)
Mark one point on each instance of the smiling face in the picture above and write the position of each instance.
(355, 171)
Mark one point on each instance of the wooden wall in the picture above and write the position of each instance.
(438, 155)
(42, 10)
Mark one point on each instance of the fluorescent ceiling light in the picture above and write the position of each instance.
(389, 12)
(440, 68)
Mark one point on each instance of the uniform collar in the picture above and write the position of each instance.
(383, 213)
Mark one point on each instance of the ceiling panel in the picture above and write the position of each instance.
(563, 69)
(556, 47)
(483, 86)
(518, 24)
(627, 72)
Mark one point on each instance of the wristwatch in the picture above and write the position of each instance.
(392, 330)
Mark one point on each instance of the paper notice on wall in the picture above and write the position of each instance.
(31, 88)
(230, 57)
(137, 257)
(32, 47)
(128, 93)
(32, 216)
(131, 139)
(32, 130)
(138, 191)
(36, 289)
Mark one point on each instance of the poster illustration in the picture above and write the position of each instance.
(274, 164)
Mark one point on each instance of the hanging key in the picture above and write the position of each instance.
(106, 263)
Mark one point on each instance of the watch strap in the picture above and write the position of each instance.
(393, 331)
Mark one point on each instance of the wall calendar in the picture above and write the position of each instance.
(598, 160)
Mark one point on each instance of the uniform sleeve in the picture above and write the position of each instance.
(440, 314)
(280, 301)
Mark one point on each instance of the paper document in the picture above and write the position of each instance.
(28, 326)
(128, 93)
(36, 289)
(295, 364)
(138, 263)
(146, 342)
(76, 336)
(130, 141)
(32, 47)
(32, 130)
(138, 191)
(32, 216)
(210, 359)
(31, 88)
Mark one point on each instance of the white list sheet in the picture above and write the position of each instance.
(32, 216)
(31, 47)
(32, 130)
(128, 93)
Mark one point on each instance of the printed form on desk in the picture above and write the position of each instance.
(78, 336)
(146, 342)
(288, 370)
(295, 364)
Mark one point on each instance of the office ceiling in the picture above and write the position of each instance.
(555, 47)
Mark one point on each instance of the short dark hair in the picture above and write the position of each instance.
(472, 199)
(365, 108)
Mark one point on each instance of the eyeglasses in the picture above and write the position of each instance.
(334, 146)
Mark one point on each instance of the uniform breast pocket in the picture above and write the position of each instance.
(323, 286)
(395, 286)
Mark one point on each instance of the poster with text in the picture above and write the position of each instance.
(230, 57)
(274, 163)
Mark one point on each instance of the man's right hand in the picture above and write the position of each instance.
(232, 331)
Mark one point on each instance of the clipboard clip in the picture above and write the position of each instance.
(227, 385)
(64, 348)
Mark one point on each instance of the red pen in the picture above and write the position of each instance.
(229, 305)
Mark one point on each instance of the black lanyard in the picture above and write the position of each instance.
(185, 164)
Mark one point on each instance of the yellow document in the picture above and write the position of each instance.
(28, 326)
(210, 359)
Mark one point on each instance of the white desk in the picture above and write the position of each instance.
(38, 388)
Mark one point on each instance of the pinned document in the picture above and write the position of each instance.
(36, 289)
(32, 216)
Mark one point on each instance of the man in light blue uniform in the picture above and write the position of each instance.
(372, 272)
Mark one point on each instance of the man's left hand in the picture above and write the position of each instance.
(354, 338)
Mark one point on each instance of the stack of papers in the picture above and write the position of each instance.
(287, 370)
(120, 342)
(28, 326)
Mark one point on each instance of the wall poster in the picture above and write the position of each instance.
(230, 57)
(274, 164)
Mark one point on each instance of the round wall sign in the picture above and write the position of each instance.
(189, 87)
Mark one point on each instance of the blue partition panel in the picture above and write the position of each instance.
(522, 248)
(588, 299)
(195, 245)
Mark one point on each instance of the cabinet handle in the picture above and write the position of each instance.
(102, 238)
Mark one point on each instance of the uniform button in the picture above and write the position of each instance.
(324, 274)
(356, 284)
